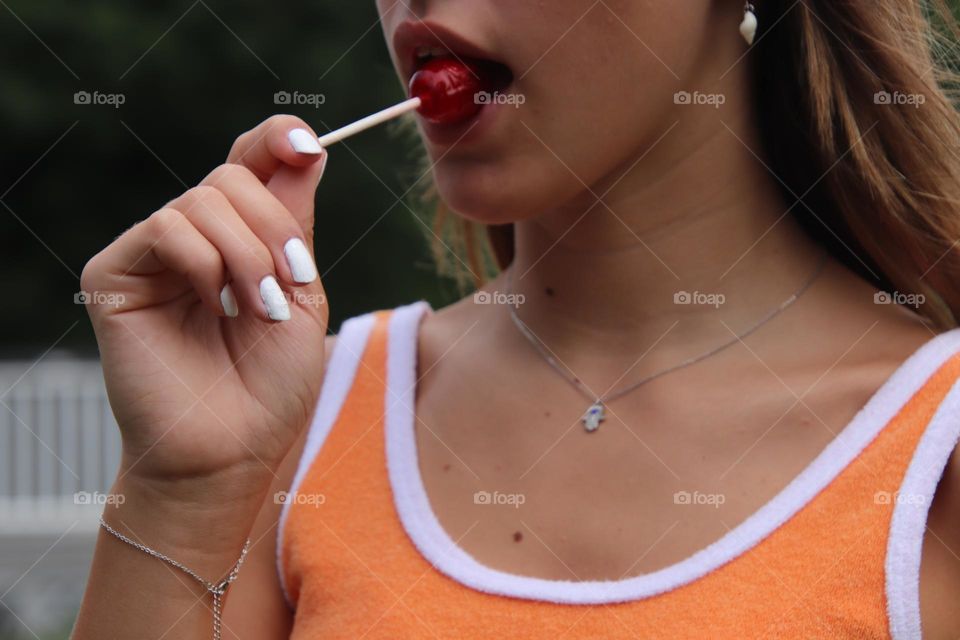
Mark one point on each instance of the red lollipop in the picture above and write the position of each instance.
(444, 91)
(447, 89)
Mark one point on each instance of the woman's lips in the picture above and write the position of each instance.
(414, 38)
(417, 42)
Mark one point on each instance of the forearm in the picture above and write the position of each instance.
(131, 594)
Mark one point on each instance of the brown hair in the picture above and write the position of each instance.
(858, 124)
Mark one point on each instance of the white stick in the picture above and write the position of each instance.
(370, 121)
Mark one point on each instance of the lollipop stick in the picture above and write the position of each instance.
(370, 121)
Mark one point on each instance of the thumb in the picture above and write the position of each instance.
(282, 152)
(296, 189)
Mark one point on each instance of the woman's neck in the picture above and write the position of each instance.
(693, 235)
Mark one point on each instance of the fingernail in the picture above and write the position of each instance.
(303, 141)
(274, 299)
(301, 264)
(229, 302)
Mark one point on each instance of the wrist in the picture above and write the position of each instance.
(203, 528)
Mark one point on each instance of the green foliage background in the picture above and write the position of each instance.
(195, 74)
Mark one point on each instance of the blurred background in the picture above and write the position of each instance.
(109, 110)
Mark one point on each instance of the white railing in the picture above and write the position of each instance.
(59, 445)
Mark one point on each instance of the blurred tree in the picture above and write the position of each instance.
(191, 76)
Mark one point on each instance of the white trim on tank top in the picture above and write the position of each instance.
(435, 545)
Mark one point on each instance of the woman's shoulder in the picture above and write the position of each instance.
(431, 328)
(940, 561)
(936, 461)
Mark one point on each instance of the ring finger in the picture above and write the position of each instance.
(248, 260)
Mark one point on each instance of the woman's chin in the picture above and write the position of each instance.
(488, 197)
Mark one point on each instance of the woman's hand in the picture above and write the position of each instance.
(209, 404)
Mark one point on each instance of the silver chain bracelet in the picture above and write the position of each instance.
(217, 589)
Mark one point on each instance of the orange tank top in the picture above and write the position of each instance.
(836, 554)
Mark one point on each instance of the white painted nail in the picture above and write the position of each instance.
(303, 141)
(274, 299)
(301, 264)
(228, 300)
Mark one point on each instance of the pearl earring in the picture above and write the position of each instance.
(748, 28)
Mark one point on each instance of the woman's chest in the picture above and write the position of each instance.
(524, 488)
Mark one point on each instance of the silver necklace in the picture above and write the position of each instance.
(596, 412)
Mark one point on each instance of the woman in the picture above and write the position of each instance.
(711, 392)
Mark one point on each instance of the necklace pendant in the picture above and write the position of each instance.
(593, 417)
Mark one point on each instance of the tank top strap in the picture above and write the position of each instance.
(836, 552)
(350, 408)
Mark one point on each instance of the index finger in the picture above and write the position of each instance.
(279, 140)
